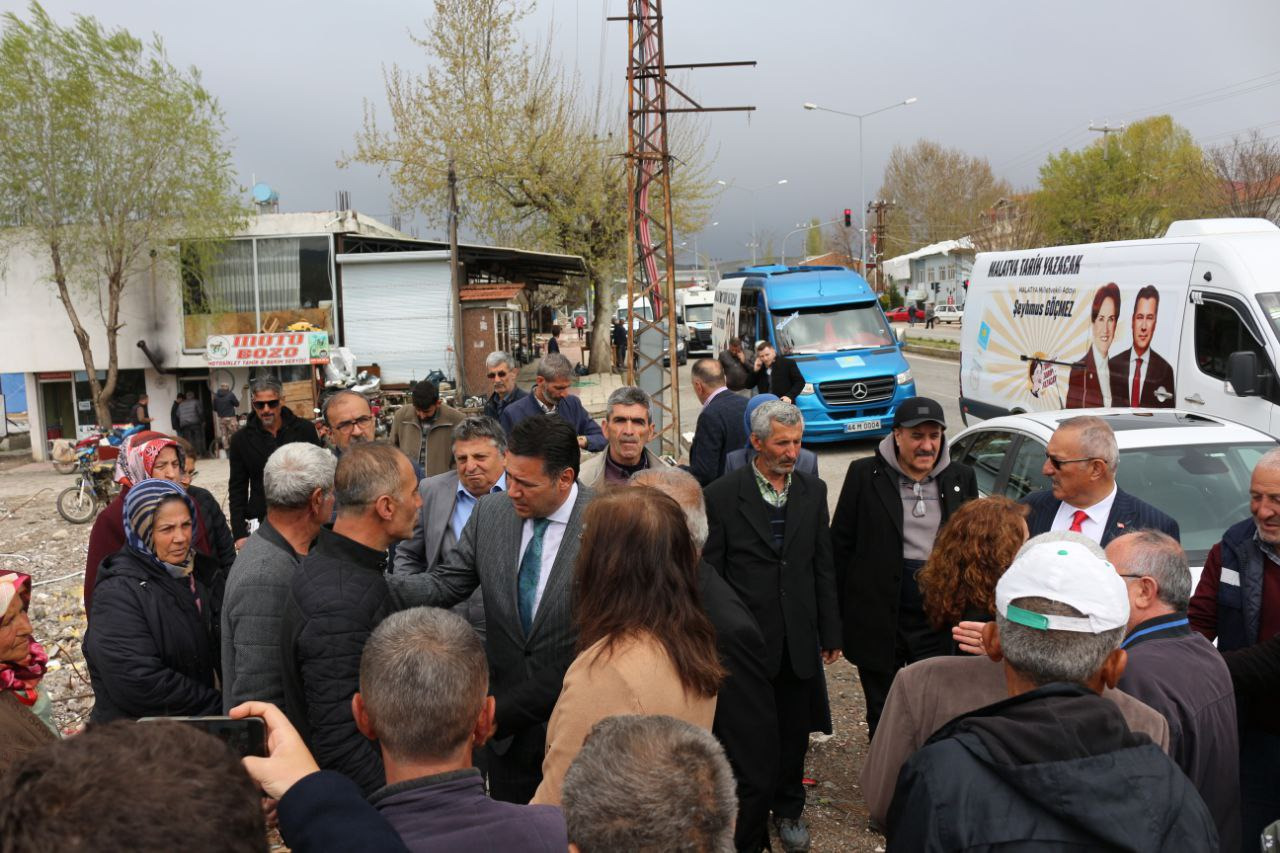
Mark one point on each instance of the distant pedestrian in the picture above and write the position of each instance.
(733, 361)
(580, 323)
(553, 342)
(142, 412)
(191, 422)
(424, 429)
(503, 376)
(173, 411)
(618, 337)
(224, 407)
(551, 396)
(911, 315)
(930, 314)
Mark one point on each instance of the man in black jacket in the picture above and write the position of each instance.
(770, 540)
(890, 510)
(746, 719)
(719, 430)
(271, 425)
(1054, 766)
(777, 374)
(336, 599)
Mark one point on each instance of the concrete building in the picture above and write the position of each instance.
(934, 273)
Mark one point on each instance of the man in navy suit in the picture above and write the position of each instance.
(720, 427)
(1081, 461)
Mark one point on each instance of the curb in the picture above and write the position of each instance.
(935, 352)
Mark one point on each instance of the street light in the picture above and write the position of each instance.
(752, 190)
(862, 187)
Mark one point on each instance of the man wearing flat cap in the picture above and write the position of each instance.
(890, 509)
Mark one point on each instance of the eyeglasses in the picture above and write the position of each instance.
(1135, 577)
(266, 404)
(1058, 463)
(498, 374)
(346, 426)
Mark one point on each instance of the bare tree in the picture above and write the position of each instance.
(1245, 176)
(1011, 223)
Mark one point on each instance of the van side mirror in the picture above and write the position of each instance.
(1242, 373)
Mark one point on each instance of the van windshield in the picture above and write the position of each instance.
(831, 328)
(1270, 303)
(697, 313)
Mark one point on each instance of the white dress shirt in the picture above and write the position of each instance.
(551, 539)
(1093, 526)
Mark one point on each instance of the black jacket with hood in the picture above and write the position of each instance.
(250, 448)
(1052, 769)
(151, 651)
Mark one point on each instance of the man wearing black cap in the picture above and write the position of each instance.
(424, 430)
(890, 509)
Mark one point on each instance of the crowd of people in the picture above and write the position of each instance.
(472, 637)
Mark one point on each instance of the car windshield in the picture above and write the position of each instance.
(831, 328)
(1204, 487)
(697, 314)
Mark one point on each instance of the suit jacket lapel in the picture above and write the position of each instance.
(798, 508)
(752, 506)
(1120, 519)
(437, 519)
(556, 591)
(512, 528)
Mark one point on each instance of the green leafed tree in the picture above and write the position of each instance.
(108, 153)
(813, 238)
(538, 161)
(1124, 186)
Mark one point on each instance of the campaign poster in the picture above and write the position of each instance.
(1077, 327)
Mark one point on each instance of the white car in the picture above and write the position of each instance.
(948, 314)
(1192, 466)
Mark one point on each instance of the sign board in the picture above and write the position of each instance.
(277, 349)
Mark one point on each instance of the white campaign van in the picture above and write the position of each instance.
(1190, 320)
(696, 308)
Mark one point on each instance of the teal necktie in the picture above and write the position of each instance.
(530, 571)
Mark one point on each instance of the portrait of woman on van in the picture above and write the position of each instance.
(1084, 387)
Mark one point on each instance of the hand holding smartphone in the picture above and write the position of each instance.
(246, 736)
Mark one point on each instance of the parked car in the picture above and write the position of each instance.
(948, 314)
(896, 315)
(1193, 466)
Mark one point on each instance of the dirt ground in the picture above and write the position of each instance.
(36, 540)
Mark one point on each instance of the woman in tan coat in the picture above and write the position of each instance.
(645, 644)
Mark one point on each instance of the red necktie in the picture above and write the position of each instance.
(1078, 519)
(1135, 397)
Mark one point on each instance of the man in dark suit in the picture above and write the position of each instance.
(770, 540)
(551, 396)
(891, 507)
(1081, 462)
(719, 430)
(519, 548)
(777, 374)
(1139, 376)
(746, 720)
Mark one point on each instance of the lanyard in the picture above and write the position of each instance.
(1177, 623)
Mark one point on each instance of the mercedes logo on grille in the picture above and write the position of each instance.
(859, 390)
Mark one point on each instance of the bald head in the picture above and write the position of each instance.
(683, 488)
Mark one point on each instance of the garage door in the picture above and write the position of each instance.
(395, 309)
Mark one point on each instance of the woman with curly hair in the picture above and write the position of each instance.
(974, 547)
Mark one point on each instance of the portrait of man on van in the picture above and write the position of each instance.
(1139, 376)
(1089, 384)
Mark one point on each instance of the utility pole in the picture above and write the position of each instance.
(879, 207)
(651, 252)
(1106, 130)
(455, 287)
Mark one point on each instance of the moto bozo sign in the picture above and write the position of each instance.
(276, 349)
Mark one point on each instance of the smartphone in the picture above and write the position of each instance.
(244, 737)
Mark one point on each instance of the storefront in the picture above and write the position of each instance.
(66, 401)
(295, 358)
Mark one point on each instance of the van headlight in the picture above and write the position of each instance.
(807, 389)
(904, 377)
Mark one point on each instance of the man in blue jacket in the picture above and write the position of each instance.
(551, 397)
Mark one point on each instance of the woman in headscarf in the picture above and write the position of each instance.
(26, 718)
(152, 645)
(143, 455)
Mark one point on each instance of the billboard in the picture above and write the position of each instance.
(273, 349)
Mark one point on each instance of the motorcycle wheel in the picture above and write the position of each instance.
(65, 467)
(77, 506)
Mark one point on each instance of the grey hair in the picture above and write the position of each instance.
(365, 473)
(554, 366)
(1054, 536)
(266, 383)
(1158, 555)
(423, 679)
(1097, 439)
(294, 471)
(1270, 459)
(1043, 657)
(481, 426)
(649, 783)
(683, 488)
(324, 410)
(495, 358)
(766, 414)
(628, 395)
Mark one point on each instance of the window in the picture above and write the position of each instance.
(130, 385)
(831, 329)
(986, 457)
(1220, 331)
(747, 311)
(1026, 475)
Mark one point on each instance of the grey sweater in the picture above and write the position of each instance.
(253, 604)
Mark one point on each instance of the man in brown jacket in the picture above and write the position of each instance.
(424, 430)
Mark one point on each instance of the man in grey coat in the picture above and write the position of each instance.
(519, 548)
(448, 499)
(298, 482)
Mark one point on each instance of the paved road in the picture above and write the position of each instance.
(936, 378)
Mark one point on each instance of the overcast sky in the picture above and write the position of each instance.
(1009, 81)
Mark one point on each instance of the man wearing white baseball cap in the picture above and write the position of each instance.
(1054, 764)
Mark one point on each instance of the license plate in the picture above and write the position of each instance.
(861, 426)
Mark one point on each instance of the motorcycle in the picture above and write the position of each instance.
(66, 454)
(94, 489)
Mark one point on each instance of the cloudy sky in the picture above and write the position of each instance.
(1010, 81)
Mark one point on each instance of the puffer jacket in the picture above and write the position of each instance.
(337, 597)
(250, 448)
(151, 651)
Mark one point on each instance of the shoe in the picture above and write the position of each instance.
(793, 833)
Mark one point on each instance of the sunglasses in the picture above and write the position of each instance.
(498, 374)
(266, 404)
(1058, 463)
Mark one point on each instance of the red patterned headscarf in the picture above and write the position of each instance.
(138, 456)
(21, 677)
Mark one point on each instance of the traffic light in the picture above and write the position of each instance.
(848, 218)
